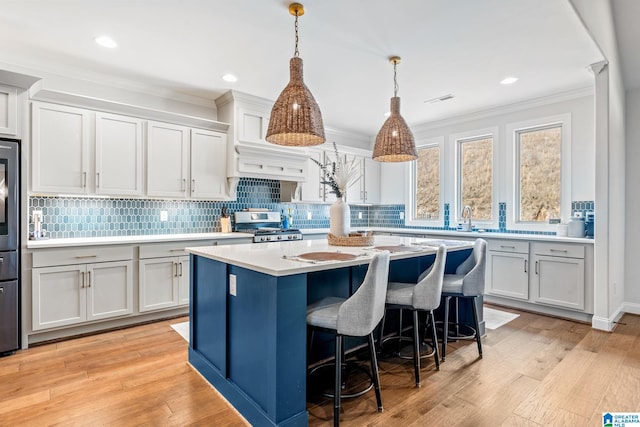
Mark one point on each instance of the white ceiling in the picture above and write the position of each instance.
(462, 47)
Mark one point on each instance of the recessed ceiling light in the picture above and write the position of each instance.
(106, 41)
(229, 78)
(508, 80)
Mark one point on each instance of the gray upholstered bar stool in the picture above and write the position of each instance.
(467, 283)
(356, 316)
(422, 296)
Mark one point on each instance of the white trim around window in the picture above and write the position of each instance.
(512, 130)
(411, 198)
(455, 205)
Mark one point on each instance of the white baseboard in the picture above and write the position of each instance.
(631, 307)
(608, 323)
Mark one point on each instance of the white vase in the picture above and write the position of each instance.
(339, 218)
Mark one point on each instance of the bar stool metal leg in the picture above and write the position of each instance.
(445, 327)
(434, 337)
(477, 325)
(416, 347)
(338, 383)
(374, 372)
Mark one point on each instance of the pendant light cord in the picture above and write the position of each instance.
(296, 53)
(395, 79)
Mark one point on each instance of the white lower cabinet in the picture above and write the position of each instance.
(71, 294)
(163, 274)
(558, 276)
(539, 273)
(507, 269)
(163, 283)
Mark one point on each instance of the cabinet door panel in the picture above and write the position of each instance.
(208, 164)
(560, 281)
(8, 110)
(60, 142)
(371, 181)
(109, 290)
(58, 296)
(118, 155)
(312, 190)
(184, 277)
(508, 275)
(167, 160)
(253, 125)
(355, 192)
(158, 283)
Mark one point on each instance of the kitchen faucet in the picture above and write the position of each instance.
(466, 212)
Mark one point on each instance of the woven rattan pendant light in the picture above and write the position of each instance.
(395, 142)
(295, 118)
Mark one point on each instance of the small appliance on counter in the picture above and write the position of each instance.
(589, 225)
(575, 227)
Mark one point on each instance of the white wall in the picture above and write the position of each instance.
(394, 184)
(632, 268)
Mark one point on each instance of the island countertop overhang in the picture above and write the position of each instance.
(279, 258)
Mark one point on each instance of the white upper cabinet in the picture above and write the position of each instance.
(355, 192)
(312, 190)
(8, 110)
(167, 160)
(60, 149)
(118, 155)
(208, 164)
(371, 183)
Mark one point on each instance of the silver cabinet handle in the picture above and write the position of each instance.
(175, 269)
(536, 267)
(176, 250)
(84, 179)
(89, 279)
(558, 250)
(184, 184)
(507, 247)
(86, 256)
(82, 279)
(97, 179)
(193, 185)
(525, 265)
(180, 269)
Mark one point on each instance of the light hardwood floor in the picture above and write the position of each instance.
(536, 371)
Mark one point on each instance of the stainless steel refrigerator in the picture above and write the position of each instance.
(9, 244)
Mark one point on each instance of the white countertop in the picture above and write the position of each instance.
(280, 258)
(157, 238)
(463, 234)
(116, 240)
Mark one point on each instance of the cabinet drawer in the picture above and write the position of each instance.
(560, 250)
(80, 255)
(161, 250)
(515, 246)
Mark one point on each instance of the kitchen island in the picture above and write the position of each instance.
(248, 313)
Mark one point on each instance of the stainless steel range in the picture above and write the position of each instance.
(265, 227)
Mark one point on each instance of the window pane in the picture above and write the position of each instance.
(476, 177)
(428, 183)
(539, 171)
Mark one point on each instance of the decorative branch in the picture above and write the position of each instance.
(338, 174)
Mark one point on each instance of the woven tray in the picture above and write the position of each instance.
(353, 239)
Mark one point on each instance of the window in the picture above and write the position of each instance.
(475, 168)
(427, 183)
(538, 173)
(425, 199)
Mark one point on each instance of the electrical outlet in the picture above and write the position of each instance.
(401, 215)
(359, 215)
(309, 215)
(164, 216)
(232, 284)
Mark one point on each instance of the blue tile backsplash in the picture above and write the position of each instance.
(68, 217)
